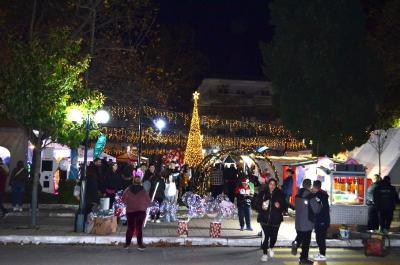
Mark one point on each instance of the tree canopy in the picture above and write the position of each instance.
(323, 75)
(41, 81)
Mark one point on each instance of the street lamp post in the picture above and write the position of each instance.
(100, 117)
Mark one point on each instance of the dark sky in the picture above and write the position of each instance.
(228, 32)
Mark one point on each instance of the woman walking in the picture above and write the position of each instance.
(18, 181)
(137, 200)
(270, 205)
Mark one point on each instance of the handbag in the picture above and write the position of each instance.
(77, 191)
(265, 205)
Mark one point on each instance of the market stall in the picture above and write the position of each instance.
(347, 195)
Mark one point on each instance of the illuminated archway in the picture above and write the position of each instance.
(246, 157)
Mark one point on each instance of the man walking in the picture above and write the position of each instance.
(307, 206)
(322, 220)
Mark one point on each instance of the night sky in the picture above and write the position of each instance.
(228, 32)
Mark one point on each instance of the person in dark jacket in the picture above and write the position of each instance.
(385, 198)
(230, 180)
(127, 175)
(373, 218)
(270, 204)
(287, 187)
(158, 194)
(112, 183)
(244, 196)
(322, 220)
(92, 194)
(18, 180)
(307, 206)
(137, 200)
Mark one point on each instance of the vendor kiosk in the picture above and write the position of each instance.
(348, 195)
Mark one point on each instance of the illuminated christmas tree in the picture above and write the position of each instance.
(194, 146)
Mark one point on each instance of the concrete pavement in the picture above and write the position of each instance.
(56, 223)
(99, 255)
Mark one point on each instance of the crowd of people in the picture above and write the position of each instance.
(106, 178)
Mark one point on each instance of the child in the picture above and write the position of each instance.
(244, 195)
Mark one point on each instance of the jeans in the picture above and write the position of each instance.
(244, 214)
(385, 218)
(135, 227)
(320, 236)
(373, 218)
(168, 216)
(17, 190)
(270, 237)
(303, 239)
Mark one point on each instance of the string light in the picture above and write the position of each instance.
(194, 147)
(127, 112)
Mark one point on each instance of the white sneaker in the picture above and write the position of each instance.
(15, 209)
(319, 257)
(264, 258)
(20, 209)
(158, 221)
(270, 253)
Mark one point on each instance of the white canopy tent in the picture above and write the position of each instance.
(390, 158)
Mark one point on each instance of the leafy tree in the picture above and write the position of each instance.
(322, 73)
(40, 82)
(383, 32)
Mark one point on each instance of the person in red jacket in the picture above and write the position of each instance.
(244, 195)
(137, 200)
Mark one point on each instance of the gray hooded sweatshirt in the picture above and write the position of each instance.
(306, 201)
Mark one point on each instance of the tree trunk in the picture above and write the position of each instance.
(36, 159)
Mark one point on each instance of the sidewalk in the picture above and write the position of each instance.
(56, 227)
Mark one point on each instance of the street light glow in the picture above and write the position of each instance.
(160, 124)
(75, 115)
(101, 116)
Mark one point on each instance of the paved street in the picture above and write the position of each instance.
(60, 255)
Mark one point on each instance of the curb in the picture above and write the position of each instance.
(47, 206)
(189, 241)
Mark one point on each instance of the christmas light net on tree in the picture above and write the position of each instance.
(194, 146)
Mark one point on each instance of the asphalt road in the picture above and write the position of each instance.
(99, 255)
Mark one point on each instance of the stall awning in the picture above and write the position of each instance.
(349, 174)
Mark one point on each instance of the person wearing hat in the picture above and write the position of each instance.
(244, 195)
(137, 200)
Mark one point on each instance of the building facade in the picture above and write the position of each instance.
(236, 99)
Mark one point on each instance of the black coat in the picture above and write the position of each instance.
(385, 196)
(323, 217)
(160, 190)
(272, 216)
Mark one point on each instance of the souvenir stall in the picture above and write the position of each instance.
(347, 195)
(310, 168)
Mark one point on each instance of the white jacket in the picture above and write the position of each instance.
(170, 189)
